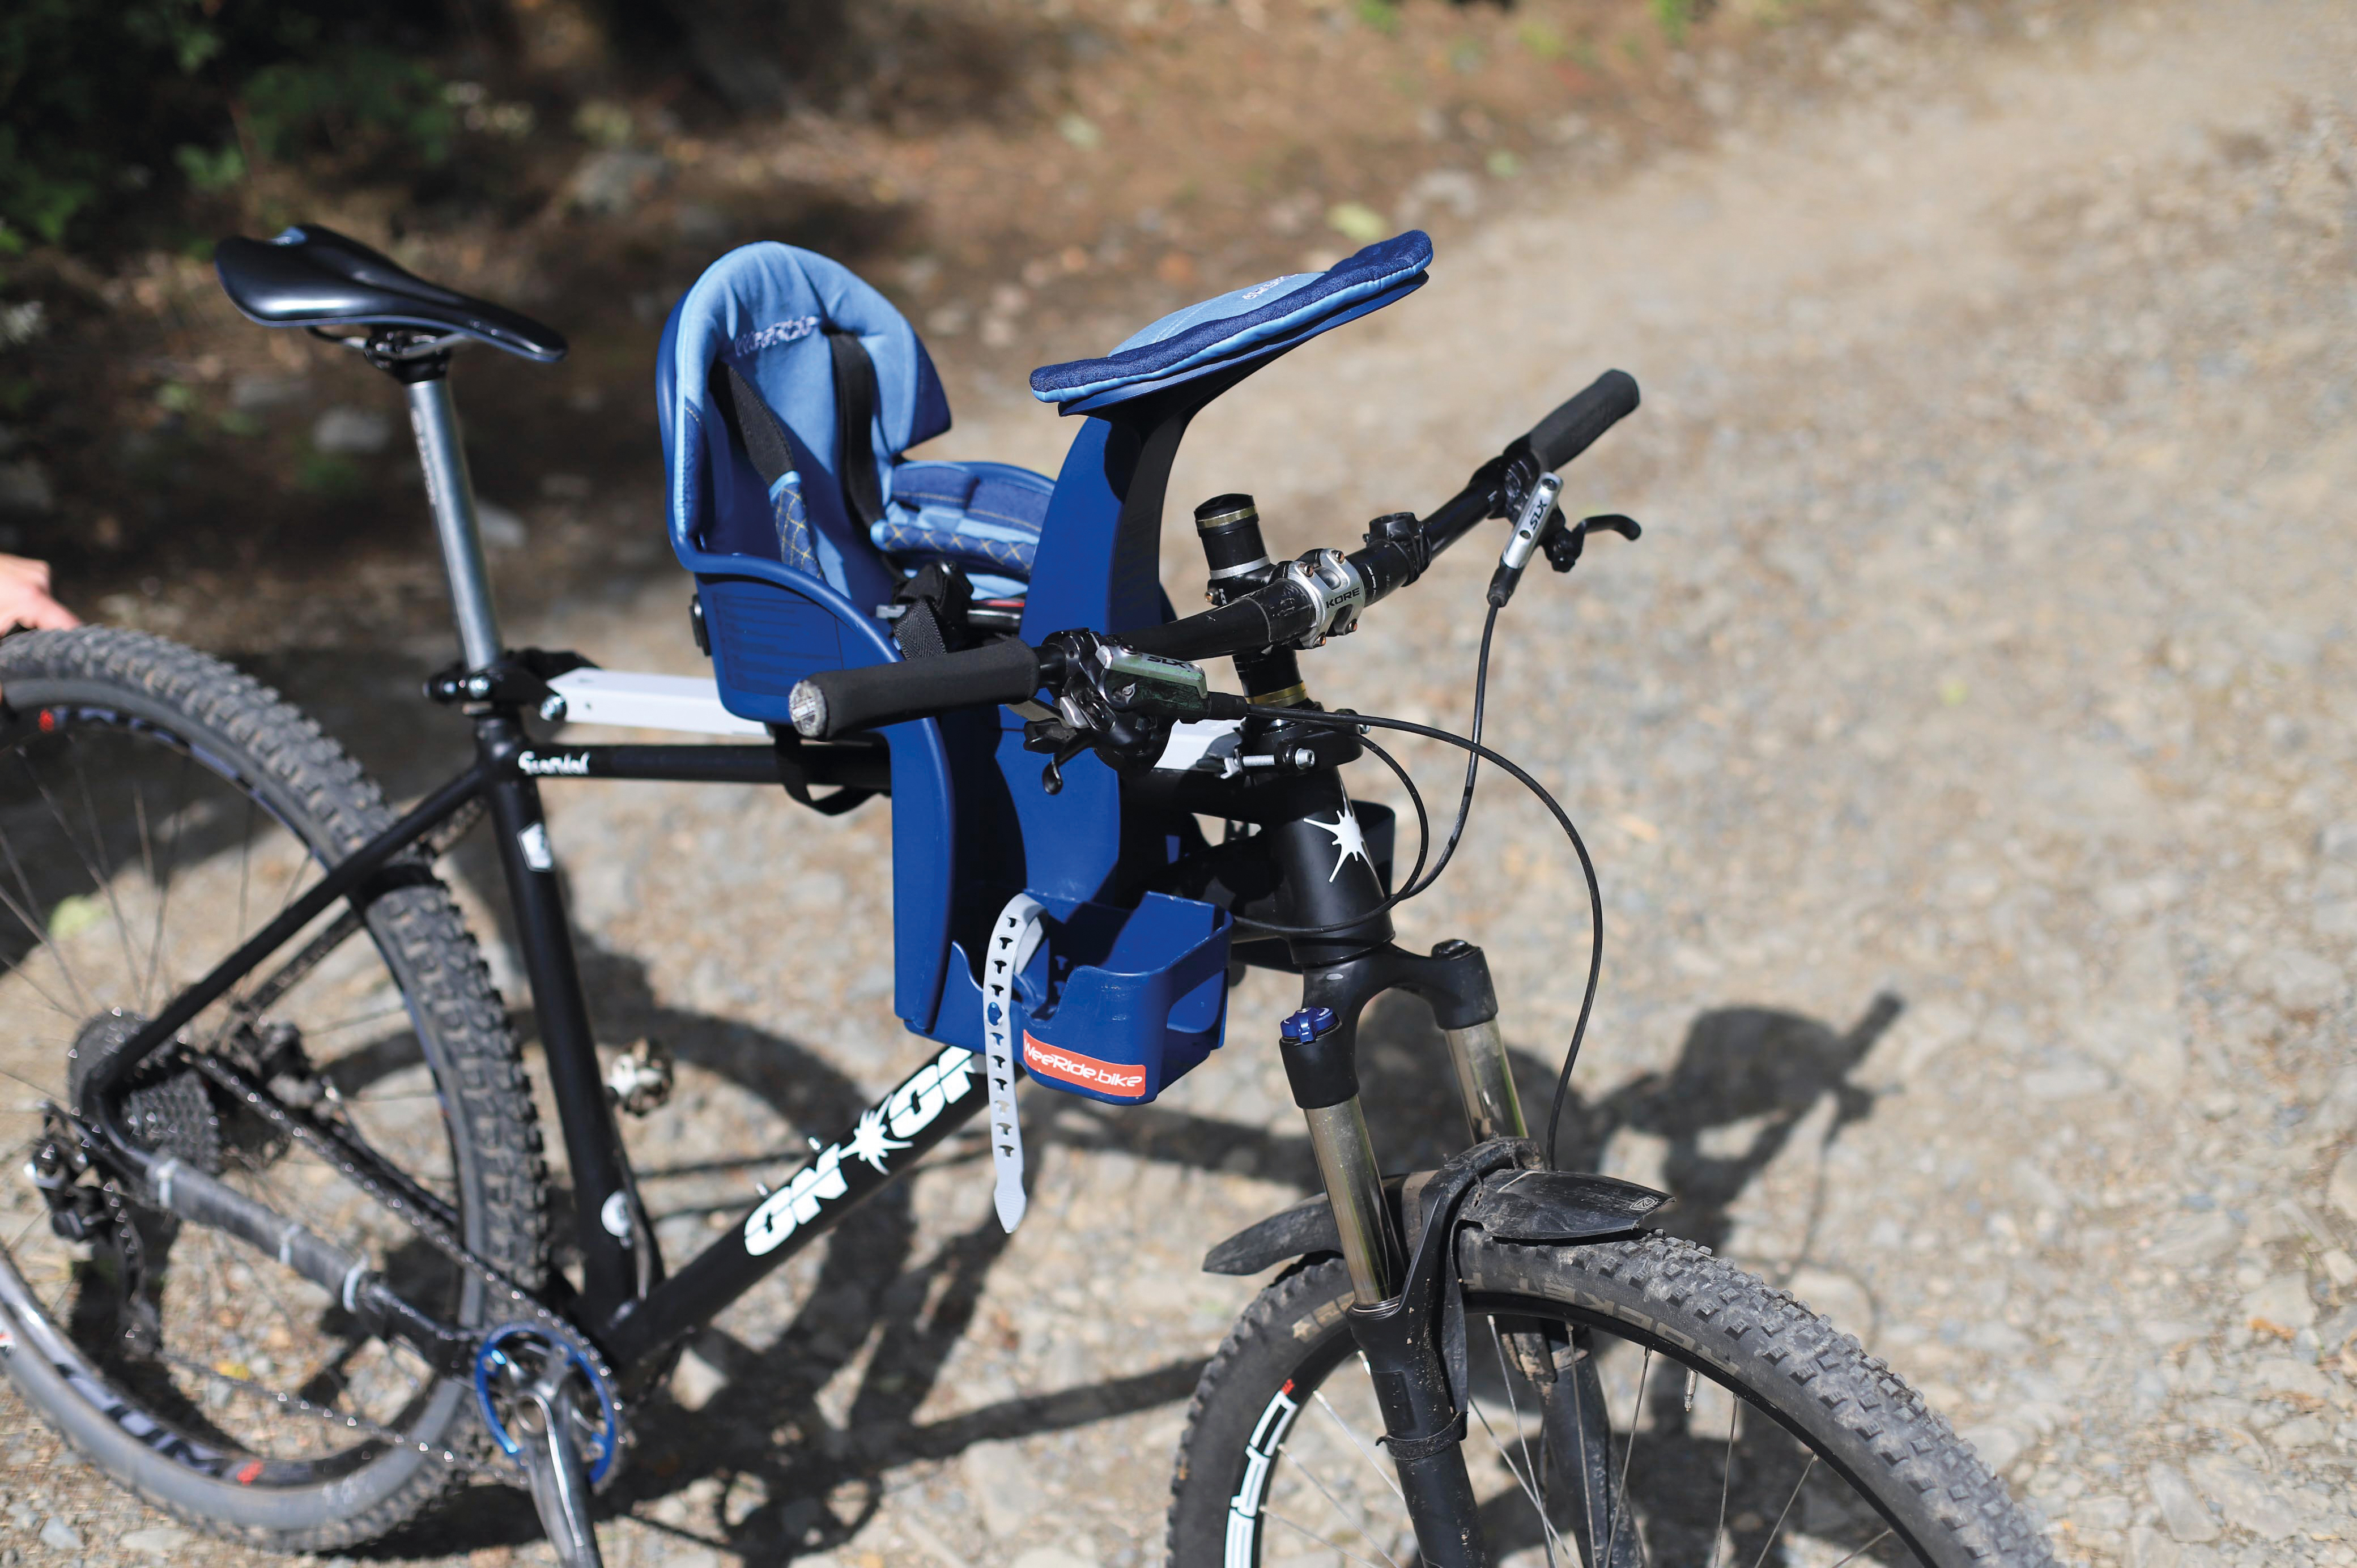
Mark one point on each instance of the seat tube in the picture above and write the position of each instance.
(433, 417)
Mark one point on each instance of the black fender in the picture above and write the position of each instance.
(1512, 1204)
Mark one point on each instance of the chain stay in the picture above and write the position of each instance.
(368, 1172)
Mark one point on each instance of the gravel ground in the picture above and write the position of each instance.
(1966, 748)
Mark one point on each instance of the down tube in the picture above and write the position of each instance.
(890, 1136)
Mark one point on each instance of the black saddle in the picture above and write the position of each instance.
(311, 276)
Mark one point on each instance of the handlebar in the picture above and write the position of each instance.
(1321, 594)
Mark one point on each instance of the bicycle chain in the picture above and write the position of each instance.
(331, 1146)
(332, 1416)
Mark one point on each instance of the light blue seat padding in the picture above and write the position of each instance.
(986, 516)
(1238, 326)
(766, 308)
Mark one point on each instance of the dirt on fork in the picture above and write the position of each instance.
(1968, 750)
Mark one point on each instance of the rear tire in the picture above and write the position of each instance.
(1791, 1375)
(248, 769)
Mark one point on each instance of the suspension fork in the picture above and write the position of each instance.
(1400, 1327)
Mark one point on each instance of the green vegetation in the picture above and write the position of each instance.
(92, 96)
(1382, 15)
(1677, 17)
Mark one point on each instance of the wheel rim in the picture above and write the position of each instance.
(132, 859)
(1713, 1479)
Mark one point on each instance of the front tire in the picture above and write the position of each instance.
(1803, 1442)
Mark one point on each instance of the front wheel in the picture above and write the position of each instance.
(1633, 1403)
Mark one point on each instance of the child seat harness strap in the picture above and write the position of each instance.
(758, 430)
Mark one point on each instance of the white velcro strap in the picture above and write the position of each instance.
(1013, 940)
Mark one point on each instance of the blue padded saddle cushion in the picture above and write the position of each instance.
(1235, 325)
(986, 516)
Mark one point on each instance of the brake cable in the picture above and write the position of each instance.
(1579, 846)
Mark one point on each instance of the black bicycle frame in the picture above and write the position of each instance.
(923, 1109)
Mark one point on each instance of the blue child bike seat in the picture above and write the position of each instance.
(780, 321)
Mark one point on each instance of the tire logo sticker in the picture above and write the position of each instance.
(1259, 1453)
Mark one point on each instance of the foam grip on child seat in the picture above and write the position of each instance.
(1572, 428)
(838, 701)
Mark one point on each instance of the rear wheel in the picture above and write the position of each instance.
(1633, 1403)
(157, 807)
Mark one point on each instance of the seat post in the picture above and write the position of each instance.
(433, 416)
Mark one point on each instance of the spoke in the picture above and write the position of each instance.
(1579, 1430)
(26, 912)
(244, 865)
(28, 1083)
(1726, 1475)
(1350, 1517)
(1864, 1550)
(1628, 1457)
(1366, 1453)
(1335, 1547)
(171, 865)
(1529, 1475)
(1769, 1545)
(98, 844)
(399, 1010)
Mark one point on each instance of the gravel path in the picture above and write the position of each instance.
(1967, 748)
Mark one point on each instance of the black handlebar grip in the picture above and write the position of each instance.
(1572, 428)
(838, 702)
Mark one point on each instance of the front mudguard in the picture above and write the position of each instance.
(1512, 1204)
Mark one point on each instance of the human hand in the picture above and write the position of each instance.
(25, 597)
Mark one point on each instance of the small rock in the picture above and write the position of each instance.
(502, 528)
(60, 1536)
(999, 1480)
(2286, 1379)
(2182, 1511)
(2301, 1432)
(2338, 842)
(2069, 1080)
(694, 1380)
(2296, 981)
(2148, 1548)
(157, 1541)
(1998, 1445)
(565, 487)
(1051, 1557)
(2194, 1238)
(353, 432)
(2109, 1511)
(2281, 1305)
(2244, 1496)
(2341, 1191)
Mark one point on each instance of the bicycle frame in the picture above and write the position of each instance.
(625, 1304)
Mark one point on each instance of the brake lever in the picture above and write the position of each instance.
(1564, 541)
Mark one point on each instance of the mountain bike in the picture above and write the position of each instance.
(284, 1261)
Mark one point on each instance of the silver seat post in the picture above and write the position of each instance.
(433, 416)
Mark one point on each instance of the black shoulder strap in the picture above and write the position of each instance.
(854, 417)
(752, 422)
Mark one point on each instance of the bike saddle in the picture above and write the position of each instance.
(313, 276)
(1242, 329)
